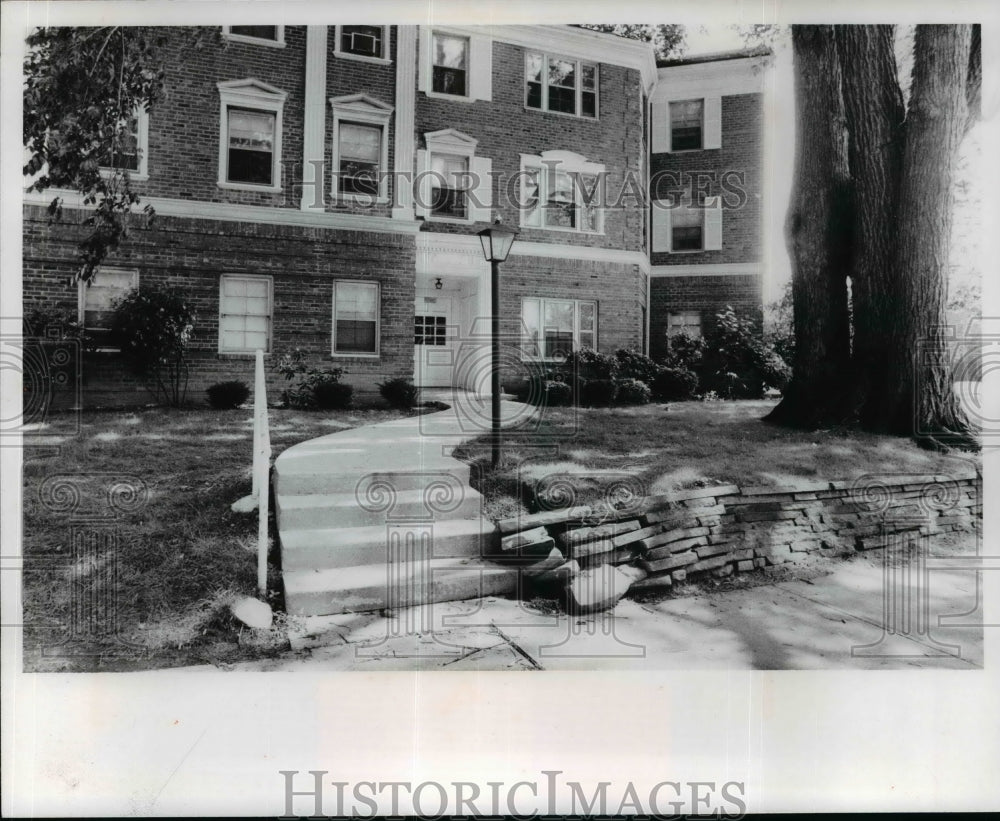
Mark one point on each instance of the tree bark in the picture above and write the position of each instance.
(920, 396)
(873, 104)
(818, 234)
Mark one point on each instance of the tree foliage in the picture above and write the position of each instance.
(667, 40)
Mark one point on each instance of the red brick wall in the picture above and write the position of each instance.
(706, 294)
(192, 254)
(742, 146)
(506, 129)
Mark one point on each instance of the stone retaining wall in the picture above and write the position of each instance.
(659, 540)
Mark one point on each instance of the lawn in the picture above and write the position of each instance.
(681, 445)
(181, 555)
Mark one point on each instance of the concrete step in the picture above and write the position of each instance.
(376, 587)
(337, 510)
(292, 482)
(353, 546)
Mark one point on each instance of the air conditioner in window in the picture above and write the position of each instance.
(366, 44)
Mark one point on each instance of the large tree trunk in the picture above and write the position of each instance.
(873, 104)
(817, 230)
(920, 397)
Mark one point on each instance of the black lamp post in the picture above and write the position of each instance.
(497, 241)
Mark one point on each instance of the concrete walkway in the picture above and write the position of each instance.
(349, 503)
(828, 617)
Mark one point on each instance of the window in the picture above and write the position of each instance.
(562, 191)
(258, 35)
(355, 318)
(687, 229)
(448, 186)
(554, 328)
(96, 303)
(686, 120)
(360, 147)
(244, 314)
(687, 322)
(360, 152)
(450, 65)
(430, 330)
(452, 183)
(250, 135)
(362, 41)
(129, 147)
(560, 84)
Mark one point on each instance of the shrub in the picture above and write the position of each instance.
(738, 363)
(399, 392)
(554, 393)
(633, 392)
(153, 324)
(674, 384)
(302, 395)
(684, 351)
(634, 365)
(332, 395)
(599, 392)
(228, 395)
(588, 364)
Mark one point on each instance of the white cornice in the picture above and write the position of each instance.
(725, 77)
(264, 215)
(570, 41)
(706, 270)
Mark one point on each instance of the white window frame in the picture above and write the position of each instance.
(142, 144)
(454, 143)
(378, 321)
(363, 110)
(566, 161)
(270, 312)
(578, 73)
(84, 287)
(382, 60)
(543, 354)
(257, 96)
(479, 79)
(256, 41)
(683, 324)
(670, 124)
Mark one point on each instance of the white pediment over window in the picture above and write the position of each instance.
(450, 139)
(250, 88)
(361, 104)
(566, 158)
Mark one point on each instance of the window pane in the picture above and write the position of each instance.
(125, 146)
(451, 55)
(251, 142)
(360, 157)
(558, 344)
(364, 40)
(532, 205)
(260, 32)
(560, 208)
(562, 99)
(355, 318)
(686, 124)
(687, 239)
(588, 75)
(533, 77)
(562, 86)
(559, 315)
(588, 104)
(586, 316)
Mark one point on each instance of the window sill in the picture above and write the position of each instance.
(690, 150)
(557, 230)
(247, 186)
(361, 58)
(239, 355)
(564, 114)
(134, 176)
(364, 200)
(253, 41)
(455, 98)
(448, 220)
(369, 356)
(690, 251)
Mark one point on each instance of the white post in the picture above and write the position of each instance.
(261, 469)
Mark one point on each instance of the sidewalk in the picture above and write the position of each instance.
(820, 621)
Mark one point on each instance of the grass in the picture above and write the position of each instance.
(182, 556)
(684, 444)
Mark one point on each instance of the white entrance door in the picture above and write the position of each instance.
(434, 332)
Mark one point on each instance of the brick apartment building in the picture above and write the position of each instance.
(320, 188)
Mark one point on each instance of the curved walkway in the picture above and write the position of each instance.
(383, 516)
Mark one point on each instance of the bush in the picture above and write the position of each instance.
(738, 363)
(399, 392)
(633, 392)
(599, 392)
(302, 395)
(674, 384)
(634, 365)
(684, 352)
(332, 395)
(228, 395)
(152, 325)
(588, 364)
(554, 393)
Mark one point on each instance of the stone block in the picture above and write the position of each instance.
(745, 565)
(602, 587)
(709, 564)
(675, 547)
(669, 563)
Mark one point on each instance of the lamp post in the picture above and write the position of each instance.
(496, 241)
